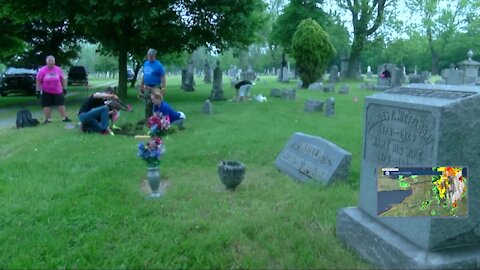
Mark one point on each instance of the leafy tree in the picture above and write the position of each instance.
(312, 50)
(367, 16)
(40, 28)
(106, 63)
(10, 41)
(441, 20)
(132, 26)
(298, 10)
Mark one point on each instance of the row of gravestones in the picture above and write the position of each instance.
(405, 126)
(329, 88)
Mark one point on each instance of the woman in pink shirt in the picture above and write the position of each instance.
(51, 83)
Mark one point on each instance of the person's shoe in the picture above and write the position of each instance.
(47, 121)
(66, 119)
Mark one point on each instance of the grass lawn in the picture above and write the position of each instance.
(75, 200)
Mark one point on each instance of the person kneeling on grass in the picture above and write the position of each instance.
(161, 107)
(94, 114)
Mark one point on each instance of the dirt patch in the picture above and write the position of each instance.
(130, 129)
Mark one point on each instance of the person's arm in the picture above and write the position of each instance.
(38, 85)
(164, 84)
(63, 80)
(104, 95)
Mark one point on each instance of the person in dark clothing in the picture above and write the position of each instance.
(237, 89)
(386, 75)
(94, 114)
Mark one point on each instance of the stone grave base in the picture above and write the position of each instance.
(381, 87)
(386, 249)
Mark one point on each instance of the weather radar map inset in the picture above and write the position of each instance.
(422, 191)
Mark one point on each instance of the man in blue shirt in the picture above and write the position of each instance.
(153, 77)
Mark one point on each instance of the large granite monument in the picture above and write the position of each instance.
(217, 91)
(188, 81)
(417, 125)
(207, 72)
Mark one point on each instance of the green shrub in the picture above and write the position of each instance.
(312, 51)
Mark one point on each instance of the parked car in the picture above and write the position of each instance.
(77, 75)
(18, 80)
(130, 74)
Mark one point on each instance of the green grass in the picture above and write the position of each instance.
(74, 200)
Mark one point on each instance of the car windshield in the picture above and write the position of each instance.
(20, 71)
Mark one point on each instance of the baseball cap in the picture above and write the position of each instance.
(151, 51)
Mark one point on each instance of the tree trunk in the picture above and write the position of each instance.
(435, 61)
(354, 60)
(284, 64)
(122, 74)
(138, 65)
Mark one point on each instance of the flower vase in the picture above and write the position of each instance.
(231, 173)
(153, 176)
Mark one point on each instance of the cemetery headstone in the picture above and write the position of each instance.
(444, 73)
(288, 94)
(397, 77)
(344, 89)
(207, 107)
(279, 75)
(369, 72)
(189, 81)
(455, 77)
(313, 105)
(299, 84)
(329, 88)
(208, 72)
(248, 75)
(330, 106)
(276, 92)
(407, 126)
(333, 74)
(316, 86)
(309, 158)
(285, 77)
(470, 69)
(217, 91)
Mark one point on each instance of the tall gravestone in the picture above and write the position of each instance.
(330, 106)
(207, 72)
(217, 91)
(207, 107)
(470, 69)
(188, 81)
(412, 126)
(285, 77)
(248, 75)
(333, 74)
(369, 72)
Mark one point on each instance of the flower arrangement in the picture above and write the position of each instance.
(159, 125)
(152, 150)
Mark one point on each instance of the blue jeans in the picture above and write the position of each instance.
(90, 119)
